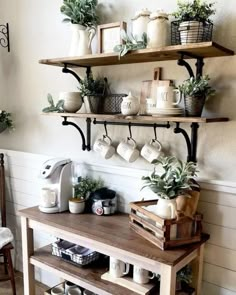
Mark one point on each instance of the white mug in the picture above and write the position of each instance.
(150, 106)
(127, 150)
(141, 276)
(104, 147)
(74, 291)
(166, 98)
(68, 285)
(58, 290)
(118, 268)
(47, 198)
(151, 151)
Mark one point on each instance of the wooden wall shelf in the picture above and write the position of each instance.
(204, 50)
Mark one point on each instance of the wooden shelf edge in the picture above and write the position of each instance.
(204, 49)
(139, 119)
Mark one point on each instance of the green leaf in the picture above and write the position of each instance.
(50, 100)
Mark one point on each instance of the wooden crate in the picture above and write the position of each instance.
(164, 233)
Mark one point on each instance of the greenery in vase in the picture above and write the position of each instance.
(5, 118)
(82, 12)
(93, 87)
(85, 186)
(54, 108)
(175, 179)
(130, 43)
(197, 87)
(198, 10)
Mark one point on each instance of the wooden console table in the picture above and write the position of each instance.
(107, 235)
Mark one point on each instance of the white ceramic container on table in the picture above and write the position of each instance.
(140, 23)
(130, 105)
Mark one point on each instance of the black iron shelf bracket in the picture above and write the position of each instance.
(5, 36)
(191, 143)
(199, 63)
(88, 135)
(65, 70)
(129, 124)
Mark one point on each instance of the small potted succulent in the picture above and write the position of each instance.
(5, 121)
(175, 180)
(81, 192)
(92, 91)
(194, 21)
(82, 14)
(195, 92)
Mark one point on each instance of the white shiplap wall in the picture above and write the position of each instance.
(217, 203)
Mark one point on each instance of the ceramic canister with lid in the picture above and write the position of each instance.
(140, 22)
(157, 29)
(130, 105)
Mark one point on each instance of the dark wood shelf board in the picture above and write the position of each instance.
(205, 49)
(139, 119)
(111, 233)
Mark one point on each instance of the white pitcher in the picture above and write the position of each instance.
(166, 208)
(81, 40)
(130, 105)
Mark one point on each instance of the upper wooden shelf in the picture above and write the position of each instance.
(139, 119)
(205, 49)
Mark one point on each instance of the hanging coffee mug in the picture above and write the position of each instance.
(151, 151)
(127, 150)
(166, 97)
(104, 147)
(141, 276)
(118, 268)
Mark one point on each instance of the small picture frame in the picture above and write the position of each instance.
(109, 36)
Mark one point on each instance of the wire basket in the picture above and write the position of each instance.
(77, 259)
(109, 104)
(190, 32)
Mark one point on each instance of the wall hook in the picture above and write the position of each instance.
(4, 36)
(106, 133)
(130, 132)
(155, 132)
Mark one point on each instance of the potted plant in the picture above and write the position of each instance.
(194, 21)
(92, 90)
(173, 181)
(81, 192)
(184, 278)
(5, 121)
(195, 91)
(82, 14)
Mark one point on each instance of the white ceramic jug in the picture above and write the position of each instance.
(140, 23)
(157, 29)
(81, 40)
(166, 208)
(130, 105)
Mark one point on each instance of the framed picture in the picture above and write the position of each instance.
(109, 36)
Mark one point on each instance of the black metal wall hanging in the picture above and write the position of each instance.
(4, 36)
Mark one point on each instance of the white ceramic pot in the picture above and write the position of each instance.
(81, 40)
(76, 206)
(140, 23)
(130, 105)
(166, 208)
(157, 30)
(191, 32)
(72, 101)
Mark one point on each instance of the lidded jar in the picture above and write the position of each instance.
(130, 105)
(140, 22)
(157, 29)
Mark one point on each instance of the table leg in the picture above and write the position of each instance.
(28, 250)
(168, 280)
(197, 268)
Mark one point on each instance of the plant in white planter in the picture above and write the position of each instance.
(193, 18)
(82, 14)
(195, 91)
(5, 121)
(171, 183)
(81, 192)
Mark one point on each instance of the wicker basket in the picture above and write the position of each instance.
(194, 106)
(190, 32)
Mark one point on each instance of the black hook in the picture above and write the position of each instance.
(105, 127)
(130, 132)
(155, 131)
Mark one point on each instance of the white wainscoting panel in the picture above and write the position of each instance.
(217, 203)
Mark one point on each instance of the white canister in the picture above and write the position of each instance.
(157, 29)
(130, 105)
(140, 22)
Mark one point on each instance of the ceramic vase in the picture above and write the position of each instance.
(76, 206)
(72, 101)
(130, 105)
(166, 208)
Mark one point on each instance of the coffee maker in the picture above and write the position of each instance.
(56, 189)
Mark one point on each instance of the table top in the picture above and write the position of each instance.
(111, 231)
